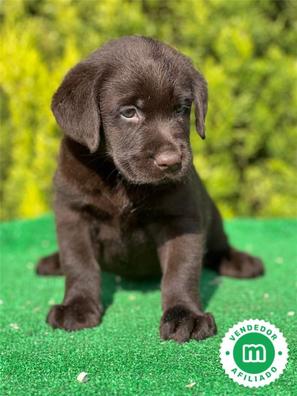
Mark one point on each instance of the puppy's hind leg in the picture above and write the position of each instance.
(49, 265)
(226, 260)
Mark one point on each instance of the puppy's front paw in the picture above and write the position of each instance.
(241, 265)
(180, 324)
(78, 314)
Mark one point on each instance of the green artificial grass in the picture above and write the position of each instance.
(124, 356)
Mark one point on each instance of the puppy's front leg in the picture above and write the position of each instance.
(181, 250)
(80, 307)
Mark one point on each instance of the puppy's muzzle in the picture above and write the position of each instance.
(168, 161)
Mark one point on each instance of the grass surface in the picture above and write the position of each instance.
(124, 355)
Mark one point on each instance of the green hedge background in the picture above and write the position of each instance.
(245, 48)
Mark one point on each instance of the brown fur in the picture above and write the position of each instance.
(128, 199)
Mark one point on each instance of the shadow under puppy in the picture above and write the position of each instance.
(127, 197)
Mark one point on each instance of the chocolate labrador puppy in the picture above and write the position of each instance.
(127, 197)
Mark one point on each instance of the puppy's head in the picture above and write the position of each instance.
(137, 94)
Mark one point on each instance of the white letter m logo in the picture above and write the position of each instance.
(253, 353)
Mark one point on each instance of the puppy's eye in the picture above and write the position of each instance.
(183, 110)
(129, 112)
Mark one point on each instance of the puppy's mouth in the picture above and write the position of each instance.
(152, 170)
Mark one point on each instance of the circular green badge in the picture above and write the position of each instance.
(254, 353)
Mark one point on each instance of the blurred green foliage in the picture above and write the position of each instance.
(245, 48)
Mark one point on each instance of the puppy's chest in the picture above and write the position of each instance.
(114, 208)
(117, 223)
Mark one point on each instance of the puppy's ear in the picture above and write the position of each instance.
(75, 105)
(200, 102)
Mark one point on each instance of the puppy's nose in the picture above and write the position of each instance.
(168, 161)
